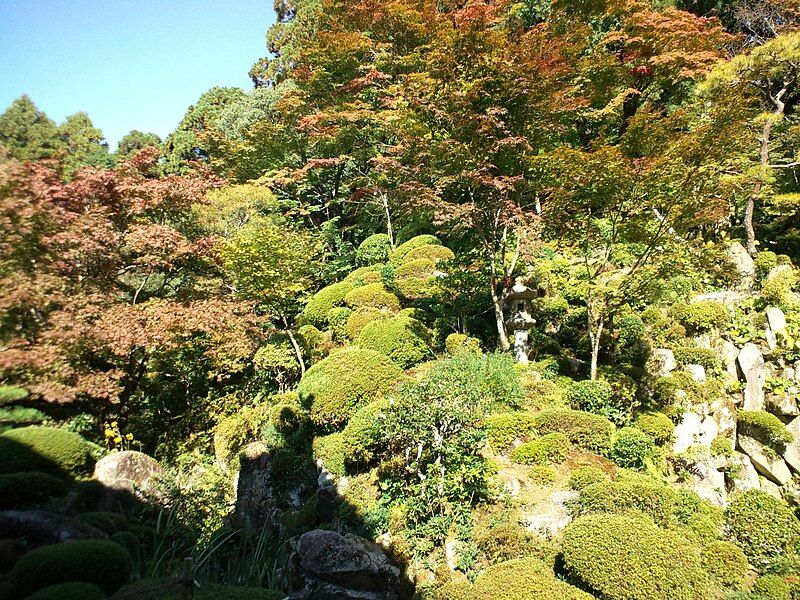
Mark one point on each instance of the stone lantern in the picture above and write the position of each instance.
(518, 317)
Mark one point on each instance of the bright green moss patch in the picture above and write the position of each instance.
(318, 306)
(359, 319)
(503, 428)
(373, 295)
(403, 339)
(522, 579)
(583, 477)
(416, 242)
(589, 431)
(726, 563)
(628, 493)
(765, 427)
(45, 449)
(550, 448)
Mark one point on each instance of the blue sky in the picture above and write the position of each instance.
(135, 64)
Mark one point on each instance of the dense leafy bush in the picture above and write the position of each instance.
(632, 448)
(763, 526)
(657, 425)
(359, 319)
(765, 262)
(375, 249)
(771, 587)
(777, 290)
(335, 386)
(337, 320)
(627, 493)
(522, 579)
(45, 449)
(318, 306)
(691, 355)
(459, 342)
(765, 427)
(107, 522)
(365, 275)
(309, 337)
(71, 590)
(421, 268)
(416, 242)
(432, 252)
(552, 447)
(700, 317)
(721, 446)
(583, 429)
(373, 295)
(600, 397)
(629, 558)
(503, 428)
(330, 450)
(100, 562)
(631, 346)
(702, 519)
(365, 433)
(583, 477)
(233, 432)
(725, 562)
(22, 490)
(21, 415)
(403, 339)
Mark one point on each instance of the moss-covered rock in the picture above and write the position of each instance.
(403, 339)
(550, 448)
(432, 252)
(373, 250)
(503, 428)
(583, 429)
(630, 558)
(373, 295)
(72, 590)
(726, 563)
(628, 493)
(523, 579)
(416, 242)
(235, 431)
(330, 450)
(765, 427)
(27, 489)
(334, 387)
(45, 449)
(102, 563)
(359, 319)
(320, 304)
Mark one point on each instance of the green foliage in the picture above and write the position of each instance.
(631, 345)
(235, 431)
(320, 304)
(657, 425)
(627, 493)
(71, 590)
(133, 141)
(22, 490)
(372, 295)
(21, 415)
(599, 397)
(765, 261)
(334, 387)
(364, 434)
(405, 340)
(700, 317)
(107, 522)
(690, 355)
(27, 132)
(765, 427)
(364, 275)
(632, 448)
(721, 446)
(330, 449)
(522, 579)
(583, 477)
(763, 526)
(503, 428)
(421, 268)
(776, 290)
(432, 252)
(771, 587)
(542, 474)
(359, 319)
(11, 393)
(552, 447)
(587, 430)
(459, 342)
(100, 562)
(45, 449)
(726, 563)
(337, 318)
(416, 242)
(629, 558)
(309, 337)
(373, 250)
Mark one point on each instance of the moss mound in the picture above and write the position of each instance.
(320, 304)
(361, 317)
(72, 590)
(503, 428)
(726, 563)
(550, 448)
(373, 295)
(431, 252)
(583, 429)
(334, 387)
(657, 425)
(456, 343)
(45, 449)
(629, 558)
(373, 250)
(627, 493)
(421, 268)
(23, 490)
(102, 563)
(522, 579)
(416, 242)
(403, 339)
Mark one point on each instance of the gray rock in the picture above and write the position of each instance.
(698, 372)
(729, 298)
(725, 417)
(255, 497)
(663, 362)
(792, 452)
(783, 404)
(772, 467)
(128, 471)
(728, 352)
(771, 488)
(743, 263)
(776, 319)
(708, 482)
(39, 528)
(779, 270)
(746, 475)
(694, 430)
(752, 366)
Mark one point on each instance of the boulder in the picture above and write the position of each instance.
(753, 369)
(663, 362)
(771, 488)
(783, 403)
(729, 298)
(746, 476)
(724, 414)
(698, 372)
(728, 353)
(743, 263)
(39, 528)
(792, 452)
(332, 566)
(776, 320)
(772, 467)
(127, 471)
(695, 430)
(552, 521)
(707, 481)
(255, 497)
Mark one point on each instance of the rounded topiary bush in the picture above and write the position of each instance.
(373, 250)
(589, 431)
(403, 339)
(100, 562)
(72, 590)
(107, 522)
(522, 579)
(764, 427)
(359, 319)
(657, 425)
(632, 448)
(416, 288)
(630, 558)
(330, 450)
(726, 563)
(628, 493)
(320, 304)
(598, 397)
(337, 319)
(583, 477)
(416, 242)
(334, 387)
(432, 252)
(45, 449)
(373, 295)
(503, 428)
(699, 317)
(552, 447)
(364, 433)
(459, 342)
(421, 267)
(772, 587)
(763, 526)
(365, 275)
(23, 490)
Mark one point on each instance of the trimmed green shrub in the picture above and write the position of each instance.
(337, 319)
(772, 587)
(632, 448)
(691, 355)
(583, 429)
(721, 446)
(334, 387)
(552, 447)
(72, 590)
(107, 522)
(373, 295)
(458, 342)
(765, 262)
(360, 317)
(375, 249)
(129, 541)
(416, 242)
(763, 526)
(432, 252)
(11, 393)
(309, 337)
(416, 288)
(235, 431)
(23, 490)
(700, 517)
(657, 425)
(523, 579)
(100, 562)
(765, 427)
(506, 539)
(403, 339)
(21, 415)
(330, 450)
(502, 429)
(776, 290)
(45, 449)
(542, 474)
(612, 400)
(365, 275)
(628, 493)
(726, 563)
(629, 558)
(318, 306)
(583, 477)
(700, 317)
(364, 433)
(421, 268)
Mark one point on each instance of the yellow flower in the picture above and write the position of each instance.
(114, 424)
(117, 440)
(109, 433)
(128, 436)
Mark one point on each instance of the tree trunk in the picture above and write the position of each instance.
(500, 321)
(297, 352)
(389, 229)
(595, 335)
